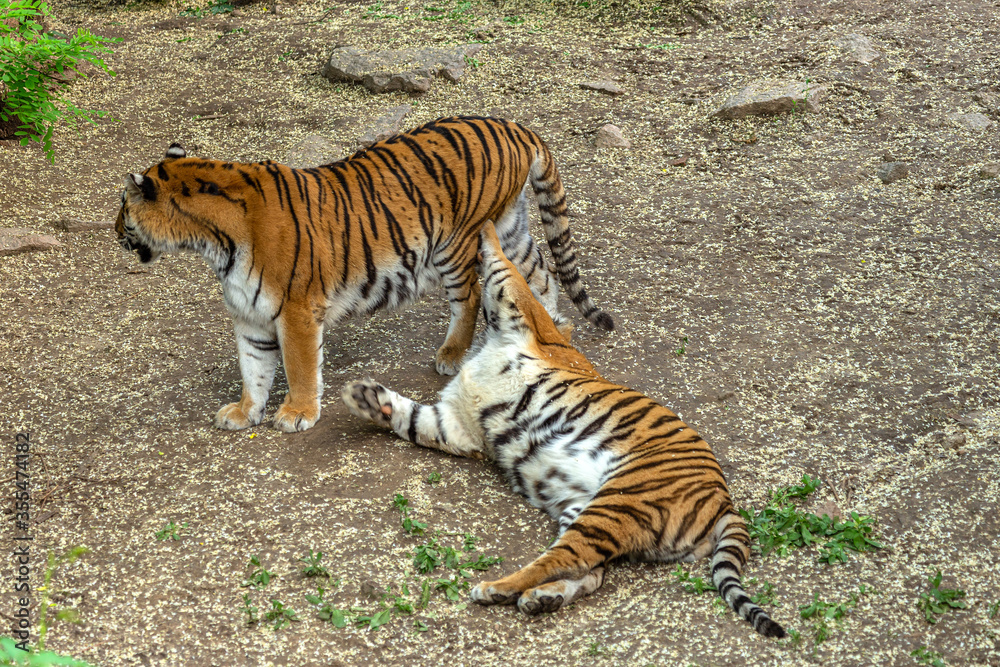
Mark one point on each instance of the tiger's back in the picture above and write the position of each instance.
(622, 475)
(300, 249)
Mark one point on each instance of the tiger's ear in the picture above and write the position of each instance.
(137, 185)
(133, 184)
(176, 150)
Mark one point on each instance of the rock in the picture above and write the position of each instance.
(974, 122)
(954, 440)
(829, 508)
(17, 241)
(860, 48)
(310, 152)
(610, 136)
(75, 225)
(606, 87)
(773, 96)
(891, 172)
(990, 102)
(990, 170)
(409, 70)
(385, 126)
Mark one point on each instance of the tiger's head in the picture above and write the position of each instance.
(182, 203)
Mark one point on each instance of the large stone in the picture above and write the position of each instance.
(312, 151)
(408, 70)
(17, 241)
(860, 48)
(990, 170)
(76, 225)
(606, 87)
(889, 172)
(974, 122)
(610, 136)
(386, 126)
(773, 96)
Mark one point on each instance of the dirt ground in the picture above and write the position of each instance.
(802, 315)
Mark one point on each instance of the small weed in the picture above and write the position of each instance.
(313, 568)
(433, 478)
(683, 348)
(472, 62)
(184, 39)
(469, 542)
(513, 20)
(279, 615)
(375, 12)
(337, 617)
(781, 526)
(925, 656)
(994, 609)
(411, 526)
(822, 612)
(260, 577)
(939, 600)
(453, 587)
(250, 610)
(420, 626)
(765, 596)
(794, 638)
(695, 585)
(666, 46)
(594, 649)
(170, 531)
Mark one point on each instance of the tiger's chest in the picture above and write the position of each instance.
(546, 455)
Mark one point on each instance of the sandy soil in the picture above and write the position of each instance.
(831, 325)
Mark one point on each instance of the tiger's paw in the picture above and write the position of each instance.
(489, 593)
(232, 417)
(290, 420)
(556, 594)
(369, 400)
(448, 360)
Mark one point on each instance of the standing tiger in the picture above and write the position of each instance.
(623, 476)
(297, 249)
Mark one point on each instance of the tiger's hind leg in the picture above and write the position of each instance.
(521, 249)
(461, 284)
(434, 426)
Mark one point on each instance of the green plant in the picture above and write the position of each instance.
(10, 654)
(434, 478)
(313, 568)
(419, 626)
(781, 526)
(594, 649)
(260, 577)
(375, 12)
(695, 585)
(170, 531)
(250, 610)
(765, 596)
(472, 62)
(938, 600)
(683, 348)
(513, 20)
(822, 612)
(68, 614)
(31, 61)
(994, 609)
(410, 525)
(212, 8)
(925, 656)
(279, 615)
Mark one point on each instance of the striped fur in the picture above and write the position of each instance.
(300, 249)
(623, 476)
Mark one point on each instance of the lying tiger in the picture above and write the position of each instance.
(623, 476)
(299, 249)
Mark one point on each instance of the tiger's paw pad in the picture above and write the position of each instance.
(369, 400)
(536, 602)
(488, 594)
(232, 418)
(291, 420)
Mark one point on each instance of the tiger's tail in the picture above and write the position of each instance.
(731, 552)
(551, 197)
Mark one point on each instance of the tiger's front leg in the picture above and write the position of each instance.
(300, 335)
(258, 353)
(434, 426)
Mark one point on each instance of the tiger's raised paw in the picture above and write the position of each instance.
(233, 418)
(369, 400)
(291, 420)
